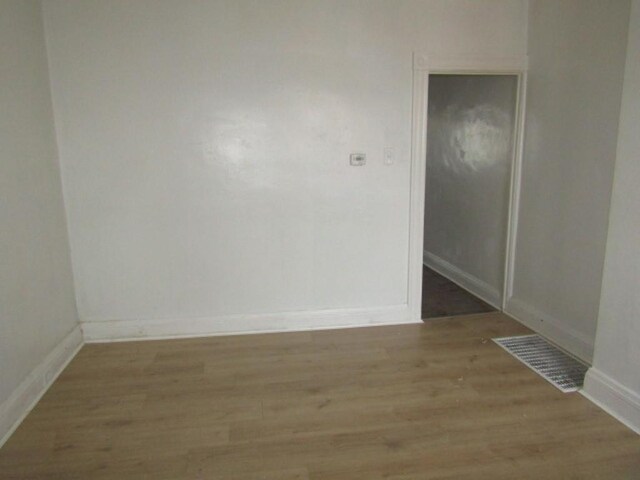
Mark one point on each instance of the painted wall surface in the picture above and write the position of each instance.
(469, 155)
(37, 306)
(205, 147)
(576, 62)
(617, 350)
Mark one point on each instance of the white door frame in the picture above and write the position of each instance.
(423, 66)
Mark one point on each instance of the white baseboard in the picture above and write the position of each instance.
(123, 330)
(15, 408)
(613, 397)
(546, 325)
(479, 288)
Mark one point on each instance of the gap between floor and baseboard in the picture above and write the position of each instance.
(15, 408)
(144, 329)
(474, 285)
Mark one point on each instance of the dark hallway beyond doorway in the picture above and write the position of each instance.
(443, 298)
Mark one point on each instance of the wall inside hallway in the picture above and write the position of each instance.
(468, 175)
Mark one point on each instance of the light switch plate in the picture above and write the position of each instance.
(357, 159)
(389, 156)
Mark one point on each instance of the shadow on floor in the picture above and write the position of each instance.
(443, 298)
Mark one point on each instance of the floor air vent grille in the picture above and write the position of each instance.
(559, 368)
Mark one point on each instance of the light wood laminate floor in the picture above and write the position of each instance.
(434, 400)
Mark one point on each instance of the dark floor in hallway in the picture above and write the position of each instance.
(443, 298)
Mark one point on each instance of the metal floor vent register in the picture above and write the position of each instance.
(559, 368)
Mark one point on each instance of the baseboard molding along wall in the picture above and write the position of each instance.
(15, 408)
(150, 329)
(540, 322)
(479, 288)
(613, 397)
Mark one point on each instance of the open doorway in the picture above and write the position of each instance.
(471, 121)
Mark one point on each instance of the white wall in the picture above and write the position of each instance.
(469, 156)
(205, 147)
(614, 380)
(37, 306)
(576, 59)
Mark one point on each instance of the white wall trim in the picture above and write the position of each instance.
(613, 397)
(473, 64)
(151, 329)
(541, 322)
(15, 408)
(417, 183)
(515, 188)
(423, 66)
(478, 287)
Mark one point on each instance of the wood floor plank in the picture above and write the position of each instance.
(432, 401)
